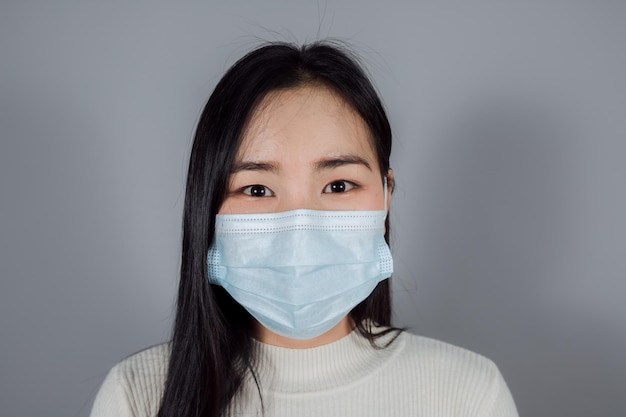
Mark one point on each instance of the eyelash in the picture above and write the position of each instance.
(348, 185)
(328, 189)
(248, 191)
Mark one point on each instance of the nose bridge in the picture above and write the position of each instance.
(299, 194)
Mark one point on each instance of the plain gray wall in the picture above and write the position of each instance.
(510, 136)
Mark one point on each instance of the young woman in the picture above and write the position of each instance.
(284, 305)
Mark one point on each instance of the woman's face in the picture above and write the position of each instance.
(304, 148)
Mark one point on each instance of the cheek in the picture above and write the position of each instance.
(247, 205)
(375, 199)
(234, 206)
(226, 208)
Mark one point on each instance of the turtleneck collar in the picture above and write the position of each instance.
(342, 362)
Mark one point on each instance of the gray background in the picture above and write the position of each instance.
(509, 238)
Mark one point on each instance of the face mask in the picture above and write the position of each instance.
(300, 272)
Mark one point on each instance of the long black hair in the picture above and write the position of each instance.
(211, 347)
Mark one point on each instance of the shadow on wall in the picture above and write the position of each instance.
(501, 230)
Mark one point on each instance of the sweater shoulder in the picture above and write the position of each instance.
(437, 352)
(134, 387)
(476, 380)
(148, 364)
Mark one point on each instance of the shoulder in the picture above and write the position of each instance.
(438, 353)
(466, 379)
(148, 363)
(134, 386)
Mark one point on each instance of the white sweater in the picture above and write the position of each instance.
(414, 376)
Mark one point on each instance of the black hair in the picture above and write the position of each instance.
(211, 346)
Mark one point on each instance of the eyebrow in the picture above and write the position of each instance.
(320, 165)
(253, 166)
(329, 163)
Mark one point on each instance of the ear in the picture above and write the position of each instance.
(390, 187)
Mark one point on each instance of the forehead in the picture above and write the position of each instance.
(303, 123)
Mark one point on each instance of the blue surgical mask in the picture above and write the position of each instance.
(300, 272)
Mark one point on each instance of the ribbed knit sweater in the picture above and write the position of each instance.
(414, 376)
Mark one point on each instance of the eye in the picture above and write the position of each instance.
(340, 186)
(257, 190)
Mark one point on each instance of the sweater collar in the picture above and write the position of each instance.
(344, 361)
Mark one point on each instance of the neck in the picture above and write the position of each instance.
(343, 328)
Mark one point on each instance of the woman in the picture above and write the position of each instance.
(284, 305)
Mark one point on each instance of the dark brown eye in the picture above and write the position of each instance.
(340, 186)
(258, 190)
